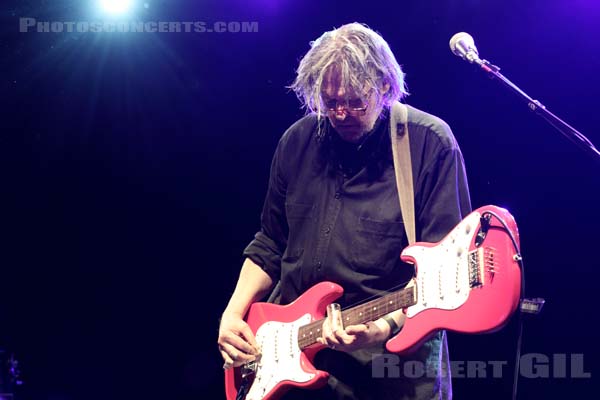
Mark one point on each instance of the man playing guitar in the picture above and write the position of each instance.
(332, 213)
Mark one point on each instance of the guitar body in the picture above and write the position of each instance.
(283, 365)
(449, 297)
(468, 282)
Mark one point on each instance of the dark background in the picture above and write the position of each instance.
(133, 169)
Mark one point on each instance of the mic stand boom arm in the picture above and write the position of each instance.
(567, 130)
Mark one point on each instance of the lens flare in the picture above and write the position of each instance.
(116, 7)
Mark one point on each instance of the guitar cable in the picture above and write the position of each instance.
(519, 259)
(244, 385)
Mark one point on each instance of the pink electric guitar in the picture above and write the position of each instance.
(468, 282)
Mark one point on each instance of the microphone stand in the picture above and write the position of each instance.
(470, 54)
(567, 130)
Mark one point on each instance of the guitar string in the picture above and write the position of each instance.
(367, 312)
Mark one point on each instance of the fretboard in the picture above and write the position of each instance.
(370, 311)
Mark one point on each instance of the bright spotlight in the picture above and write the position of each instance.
(116, 7)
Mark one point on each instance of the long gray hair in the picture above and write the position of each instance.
(361, 57)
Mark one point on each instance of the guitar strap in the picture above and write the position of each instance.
(403, 167)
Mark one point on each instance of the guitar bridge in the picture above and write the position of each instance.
(475, 275)
(250, 368)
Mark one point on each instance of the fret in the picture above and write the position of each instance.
(370, 311)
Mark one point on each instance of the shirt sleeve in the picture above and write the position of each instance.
(268, 245)
(444, 197)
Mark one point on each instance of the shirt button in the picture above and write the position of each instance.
(337, 195)
(319, 266)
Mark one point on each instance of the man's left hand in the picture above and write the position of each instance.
(354, 337)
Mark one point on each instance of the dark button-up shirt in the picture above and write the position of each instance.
(332, 213)
(332, 210)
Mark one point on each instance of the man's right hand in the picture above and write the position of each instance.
(237, 343)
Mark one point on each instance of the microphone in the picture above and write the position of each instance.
(463, 46)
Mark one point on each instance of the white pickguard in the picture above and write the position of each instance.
(280, 360)
(443, 279)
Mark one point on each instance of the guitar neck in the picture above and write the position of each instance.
(370, 311)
